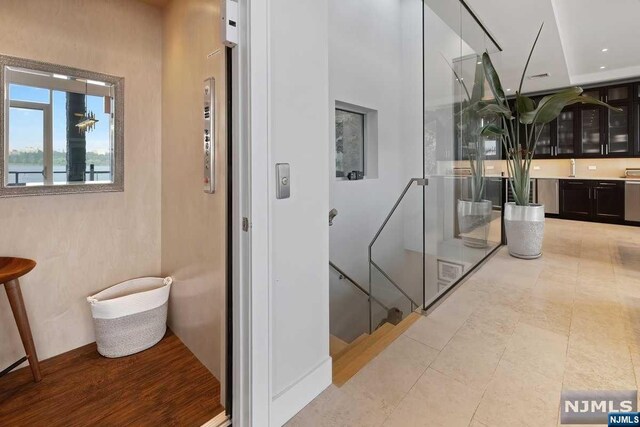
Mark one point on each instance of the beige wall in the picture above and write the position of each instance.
(87, 242)
(193, 223)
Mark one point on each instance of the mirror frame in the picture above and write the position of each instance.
(118, 137)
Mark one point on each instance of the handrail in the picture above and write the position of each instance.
(395, 285)
(420, 181)
(357, 285)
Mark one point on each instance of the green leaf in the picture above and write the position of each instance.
(584, 99)
(477, 92)
(526, 65)
(524, 104)
(551, 106)
(491, 109)
(493, 79)
(492, 130)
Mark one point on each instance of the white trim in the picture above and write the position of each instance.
(26, 77)
(220, 420)
(259, 40)
(301, 393)
(251, 268)
(47, 135)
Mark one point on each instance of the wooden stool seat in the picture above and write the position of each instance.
(11, 269)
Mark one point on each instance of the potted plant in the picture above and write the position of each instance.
(519, 126)
(474, 213)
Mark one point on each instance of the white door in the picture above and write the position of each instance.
(290, 236)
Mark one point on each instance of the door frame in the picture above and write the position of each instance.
(251, 271)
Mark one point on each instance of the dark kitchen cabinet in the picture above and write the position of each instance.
(565, 130)
(591, 131)
(608, 201)
(575, 199)
(591, 200)
(619, 124)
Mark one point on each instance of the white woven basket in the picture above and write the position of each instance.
(131, 316)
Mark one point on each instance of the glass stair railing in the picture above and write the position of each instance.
(396, 257)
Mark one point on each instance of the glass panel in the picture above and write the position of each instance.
(619, 130)
(591, 143)
(398, 253)
(94, 149)
(28, 93)
(26, 142)
(348, 305)
(462, 213)
(349, 142)
(543, 146)
(565, 133)
(618, 93)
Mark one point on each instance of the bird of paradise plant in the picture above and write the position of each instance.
(519, 125)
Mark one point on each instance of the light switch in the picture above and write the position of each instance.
(283, 181)
(592, 167)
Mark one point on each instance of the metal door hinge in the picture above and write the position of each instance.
(245, 223)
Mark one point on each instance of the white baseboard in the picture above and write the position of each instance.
(220, 420)
(292, 400)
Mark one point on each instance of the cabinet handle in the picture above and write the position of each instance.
(606, 148)
(589, 194)
(601, 150)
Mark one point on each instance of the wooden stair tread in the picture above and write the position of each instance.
(336, 345)
(354, 350)
(349, 346)
(360, 355)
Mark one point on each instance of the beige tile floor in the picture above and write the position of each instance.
(499, 351)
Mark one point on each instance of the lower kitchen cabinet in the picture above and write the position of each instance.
(591, 200)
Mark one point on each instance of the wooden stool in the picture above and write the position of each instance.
(10, 270)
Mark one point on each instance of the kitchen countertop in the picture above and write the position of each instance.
(599, 178)
(593, 178)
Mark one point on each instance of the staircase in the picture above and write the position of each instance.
(349, 358)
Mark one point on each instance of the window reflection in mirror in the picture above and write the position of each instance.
(59, 129)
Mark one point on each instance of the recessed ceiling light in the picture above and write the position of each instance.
(508, 90)
(605, 50)
(602, 67)
(479, 62)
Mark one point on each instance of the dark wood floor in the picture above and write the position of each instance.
(163, 386)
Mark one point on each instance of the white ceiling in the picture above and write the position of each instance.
(571, 43)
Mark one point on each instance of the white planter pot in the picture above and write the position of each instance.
(524, 226)
(473, 220)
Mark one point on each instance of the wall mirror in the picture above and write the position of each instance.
(61, 129)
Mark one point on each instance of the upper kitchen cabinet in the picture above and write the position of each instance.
(602, 131)
(557, 138)
(565, 133)
(545, 147)
(591, 131)
(619, 136)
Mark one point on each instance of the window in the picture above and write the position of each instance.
(350, 142)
